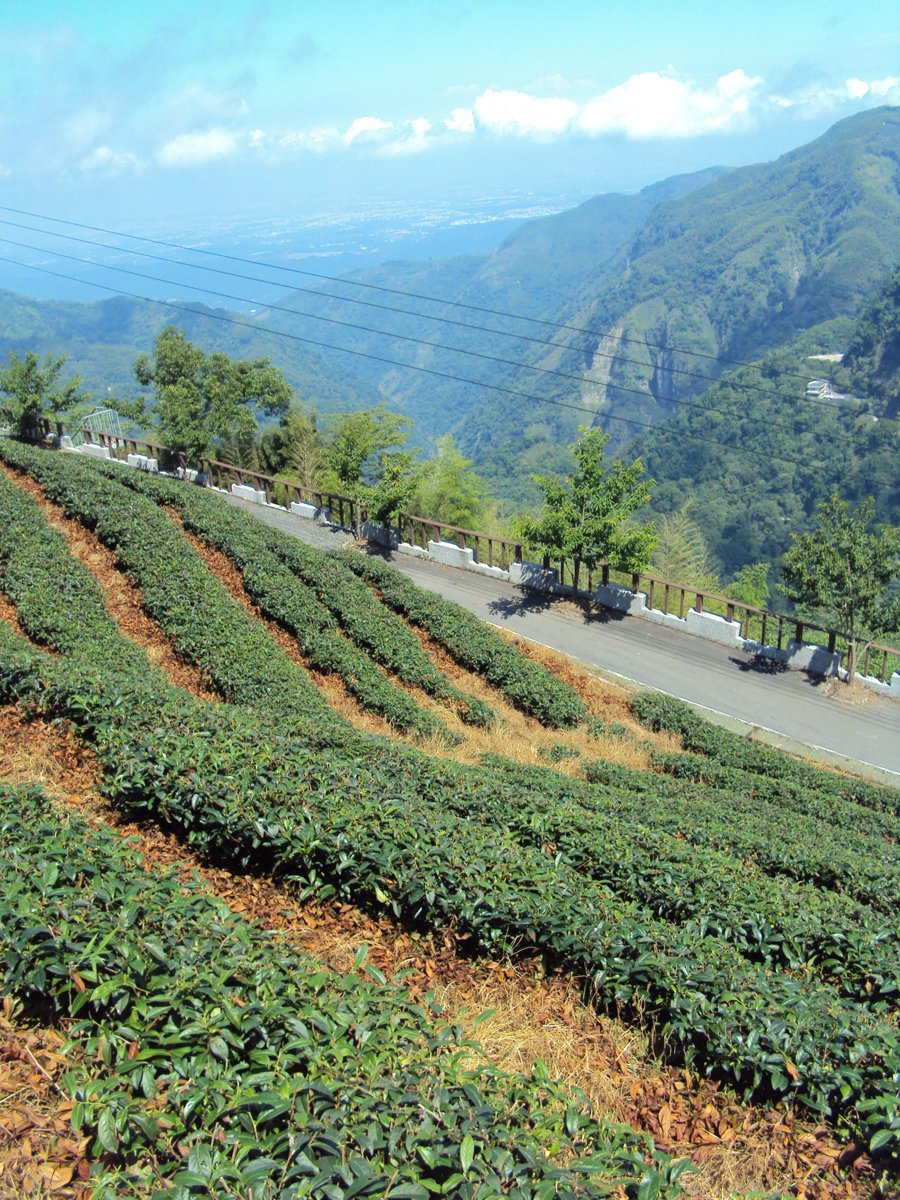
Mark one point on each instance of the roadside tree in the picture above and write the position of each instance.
(846, 572)
(202, 399)
(588, 515)
(363, 451)
(449, 490)
(31, 388)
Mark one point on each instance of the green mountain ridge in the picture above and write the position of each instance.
(101, 339)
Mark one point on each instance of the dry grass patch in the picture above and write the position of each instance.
(524, 740)
(39, 1153)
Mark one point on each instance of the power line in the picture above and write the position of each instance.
(493, 358)
(733, 362)
(295, 337)
(318, 293)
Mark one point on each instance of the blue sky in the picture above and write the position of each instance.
(125, 112)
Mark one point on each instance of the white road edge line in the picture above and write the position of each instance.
(705, 708)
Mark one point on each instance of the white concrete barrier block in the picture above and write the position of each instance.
(450, 554)
(66, 443)
(621, 599)
(247, 493)
(806, 656)
(412, 551)
(301, 509)
(533, 575)
(713, 627)
(143, 463)
(658, 617)
(492, 572)
(94, 450)
(382, 535)
(895, 684)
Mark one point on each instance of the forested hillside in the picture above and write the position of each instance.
(756, 456)
(871, 366)
(735, 270)
(731, 265)
(101, 340)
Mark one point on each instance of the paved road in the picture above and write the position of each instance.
(788, 703)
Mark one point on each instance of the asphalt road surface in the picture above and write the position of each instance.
(792, 705)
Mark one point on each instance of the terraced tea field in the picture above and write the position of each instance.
(687, 944)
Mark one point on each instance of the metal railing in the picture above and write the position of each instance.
(758, 625)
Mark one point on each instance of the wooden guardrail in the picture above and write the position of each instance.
(759, 625)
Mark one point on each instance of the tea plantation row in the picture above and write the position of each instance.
(369, 624)
(399, 831)
(216, 1061)
(777, 924)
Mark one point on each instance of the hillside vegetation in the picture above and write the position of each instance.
(734, 904)
(101, 340)
(871, 365)
(732, 265)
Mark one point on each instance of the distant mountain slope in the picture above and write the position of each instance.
(101, 339)
(534, 273)
(733, 270)
(871, 366)
(759, 455)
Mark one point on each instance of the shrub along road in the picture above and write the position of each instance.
(795, 706)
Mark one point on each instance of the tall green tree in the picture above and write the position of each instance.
(843, 570)
(450, 491)
(201, 399)
(751, 585)
(294, 447)
(363, 451)
(682, 553)
(31, 388)
(588, 515)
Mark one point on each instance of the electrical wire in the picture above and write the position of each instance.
(318, 293)
(493, 358)
(596, 333)
(494, 387)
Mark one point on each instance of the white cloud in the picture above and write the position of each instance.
(188, 149)
(325, 137)
(523, 115)
(366, 128)
(663, 106)
(461, 120)
(415, 140)
(817, 98)
(648, 105)
(103, 159)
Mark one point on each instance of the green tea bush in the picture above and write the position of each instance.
(218, 1062)
(475, 645)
